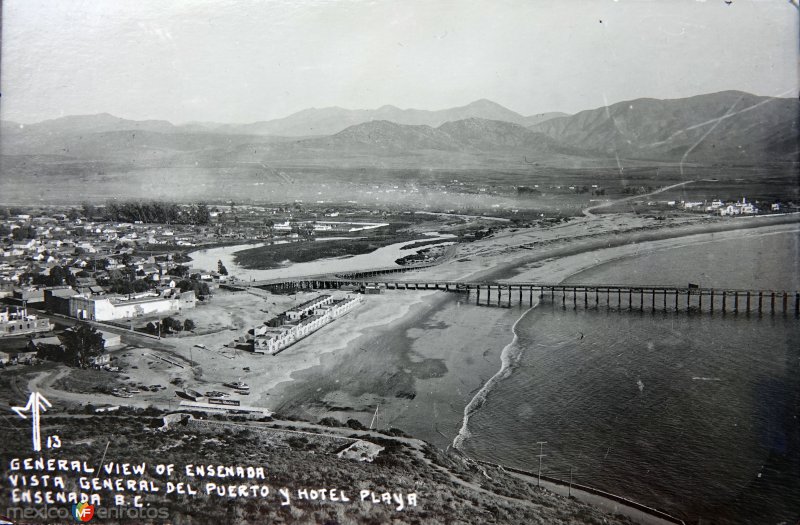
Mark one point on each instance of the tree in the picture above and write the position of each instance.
(170, 324)
(179, 271)
(88, 210)
(221, 268)
(81, 344)
(198, 287)
(188, 325)
(24, 232)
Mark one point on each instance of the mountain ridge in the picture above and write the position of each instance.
(728, 126)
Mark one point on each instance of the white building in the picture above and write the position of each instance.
(118, 307)
(317, 313)
(304, 309)
(739, 208)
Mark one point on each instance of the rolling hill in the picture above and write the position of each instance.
(728, 126)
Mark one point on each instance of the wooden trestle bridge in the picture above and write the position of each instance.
(691, 298)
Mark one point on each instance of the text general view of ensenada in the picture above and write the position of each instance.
(417, 262)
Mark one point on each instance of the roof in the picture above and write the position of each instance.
(62, 292)
(309, 303)
(52, 340)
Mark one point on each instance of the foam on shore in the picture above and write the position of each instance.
(509, 358)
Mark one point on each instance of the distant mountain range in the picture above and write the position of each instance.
(327, 121)
(722, 127)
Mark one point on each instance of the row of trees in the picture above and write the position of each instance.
(157, 212)
(170, 325)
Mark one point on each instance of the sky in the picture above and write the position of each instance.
(244, 61)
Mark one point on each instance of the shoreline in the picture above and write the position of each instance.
(578, 266)
(411, 336)
(477, 402)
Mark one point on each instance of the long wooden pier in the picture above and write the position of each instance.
(625, 297)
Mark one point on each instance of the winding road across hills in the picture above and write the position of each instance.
(588, 211)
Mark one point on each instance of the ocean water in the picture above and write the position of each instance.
(691, 413)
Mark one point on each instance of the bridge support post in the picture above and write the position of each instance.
(785, 303)
(772, 303)
(530, 296)
(478, 294)
(520, 294)
(736, 302)
(665, 300)
(700, 302)
(608, 297)
(747, 305)
(619, 298)
(712, 300)
(499, 291)
(509, 295)
(574, 298)
(596, 298)
(563, 297)
(653, 305)
(724, 300)
(630, 299)
(552, 294)
(688, 300)
(677, 304)
(797, 303)
(760, 301)
(585, 298)
(641, 300)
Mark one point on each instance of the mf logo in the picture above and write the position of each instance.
(83, 511)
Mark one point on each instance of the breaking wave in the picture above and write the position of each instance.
(509, 358)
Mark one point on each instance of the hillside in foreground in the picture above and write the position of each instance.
(448, 489)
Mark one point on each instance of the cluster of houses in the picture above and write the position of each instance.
(725, 208)
(298, 322)
(77, 244)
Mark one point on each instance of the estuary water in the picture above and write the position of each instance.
(695, 414)
(382, 257)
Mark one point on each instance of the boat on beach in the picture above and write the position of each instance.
(189, 394)
(238, 385)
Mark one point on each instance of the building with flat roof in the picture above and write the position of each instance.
(18, 322)
(122, 307)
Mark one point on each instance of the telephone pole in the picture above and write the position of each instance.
(540, 456)
(569, 494)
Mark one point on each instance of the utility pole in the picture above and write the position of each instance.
(569, 493)
(540, 456)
